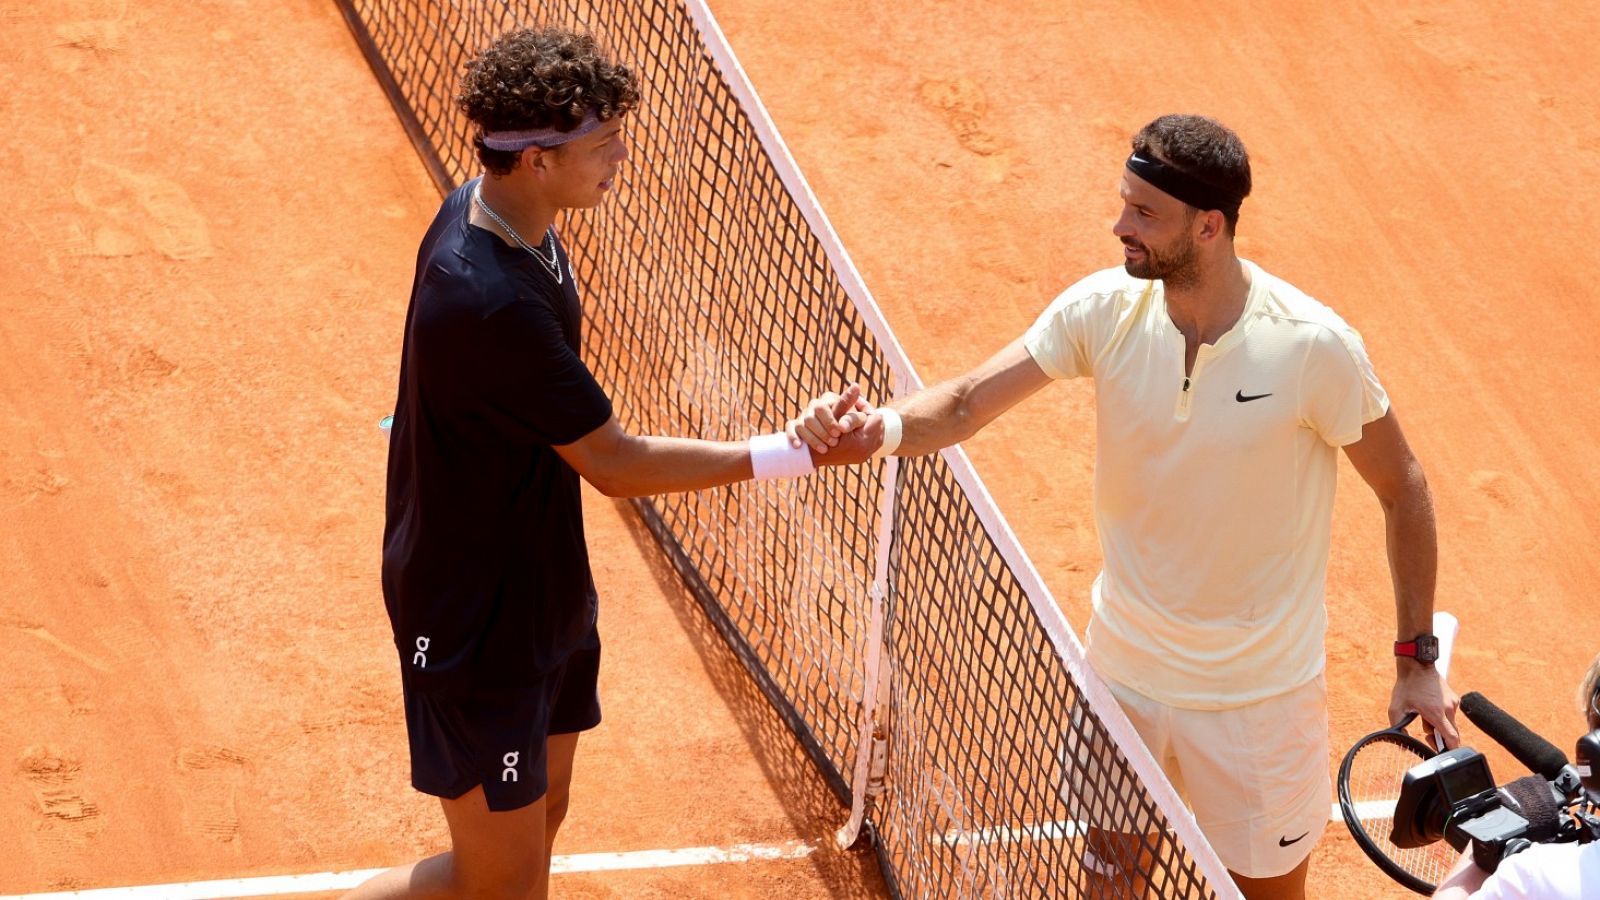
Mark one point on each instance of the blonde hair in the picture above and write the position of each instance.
(1586, 694)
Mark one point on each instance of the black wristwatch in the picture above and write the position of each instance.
(1424, 648)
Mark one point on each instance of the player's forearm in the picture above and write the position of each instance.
(1413, 562)
(641, 466)
(954, 410)
(1413, 556)
(936, 418)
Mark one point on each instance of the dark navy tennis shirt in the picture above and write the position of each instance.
(485, 569)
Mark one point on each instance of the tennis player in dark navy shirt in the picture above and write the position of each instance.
(485, 570)
(481, 508)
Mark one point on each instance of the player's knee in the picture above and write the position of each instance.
(1121, 849)
(505, 876)
(516, 883)
(555, 810)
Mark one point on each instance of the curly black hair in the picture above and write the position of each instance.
(1201, 148)
(546, 77)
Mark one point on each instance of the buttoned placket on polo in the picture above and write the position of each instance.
(1207, 352)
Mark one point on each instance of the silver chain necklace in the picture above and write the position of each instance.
(552, 265)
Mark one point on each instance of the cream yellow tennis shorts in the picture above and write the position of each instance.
(1255, 776)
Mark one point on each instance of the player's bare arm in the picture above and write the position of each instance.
(619, 464)
(946, 413)
(1385, 461)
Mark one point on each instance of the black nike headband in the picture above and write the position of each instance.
(1182, 186)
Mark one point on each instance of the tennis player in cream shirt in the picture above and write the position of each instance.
(1222, 396)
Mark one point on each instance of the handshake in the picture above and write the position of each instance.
(840, 429)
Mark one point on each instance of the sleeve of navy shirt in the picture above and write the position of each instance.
(529, 375)
(486, 570)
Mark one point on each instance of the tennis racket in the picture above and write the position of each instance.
(1369, 785)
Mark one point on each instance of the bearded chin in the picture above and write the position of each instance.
(1176, 271)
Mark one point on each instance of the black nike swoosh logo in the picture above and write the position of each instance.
(1242, 397)
(1284, 842)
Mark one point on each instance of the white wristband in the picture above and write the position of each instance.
(772, 456)
(891, 432)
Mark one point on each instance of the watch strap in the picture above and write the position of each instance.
(1424, 648)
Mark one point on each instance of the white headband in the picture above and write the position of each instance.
(539, 137)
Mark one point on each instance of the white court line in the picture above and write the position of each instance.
(1368, 809)
(1060, 831)
(339, 881)
(1001, 834)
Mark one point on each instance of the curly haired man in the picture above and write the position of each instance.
(485, 568)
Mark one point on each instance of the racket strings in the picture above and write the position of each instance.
(1377, 771)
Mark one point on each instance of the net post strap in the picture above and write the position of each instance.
(877, 654)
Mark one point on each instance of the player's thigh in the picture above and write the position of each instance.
(1257, 778)
(1101, 792)
(575, 708)
(1289, 886)
(560, 752)
(495, 853)
(1096, 784)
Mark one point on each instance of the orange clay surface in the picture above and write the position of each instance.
(212, 223)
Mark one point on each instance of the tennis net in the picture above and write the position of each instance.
(885, 610)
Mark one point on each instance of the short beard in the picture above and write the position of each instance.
(1180, 270)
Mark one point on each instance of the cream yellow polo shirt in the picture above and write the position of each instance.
(1213, 493)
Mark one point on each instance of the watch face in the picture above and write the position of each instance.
(1427, 648)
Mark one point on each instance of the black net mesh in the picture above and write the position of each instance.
(997, 765)
(713, 311)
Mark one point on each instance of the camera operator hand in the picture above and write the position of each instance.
(1423, 690)
(1464, 879)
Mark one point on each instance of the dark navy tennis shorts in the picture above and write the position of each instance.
(461, 738)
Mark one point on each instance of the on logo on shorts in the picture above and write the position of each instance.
(420, 658)
(510, 762)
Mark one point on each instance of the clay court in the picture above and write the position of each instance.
(215, 224)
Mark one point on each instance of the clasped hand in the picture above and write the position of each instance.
(840, 428)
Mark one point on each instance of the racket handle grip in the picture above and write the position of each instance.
(1445, 627)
